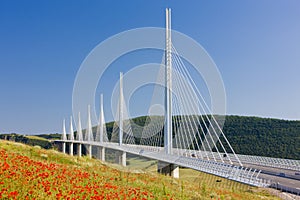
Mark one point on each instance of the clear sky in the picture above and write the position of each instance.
(255, 44)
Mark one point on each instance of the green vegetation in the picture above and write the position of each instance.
(51, 136)
(247, 135)
(28, 139)
(30, 172)
(263, 137)
(251, 135)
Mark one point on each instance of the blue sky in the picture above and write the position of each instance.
(255, 44)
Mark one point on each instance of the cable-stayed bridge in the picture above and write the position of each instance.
(187, 135)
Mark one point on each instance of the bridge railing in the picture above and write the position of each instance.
(281, 163)
(288, 164)
(271, 162)
(207, 164)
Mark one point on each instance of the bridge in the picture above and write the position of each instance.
(188, 135)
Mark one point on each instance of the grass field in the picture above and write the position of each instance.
(34, 173)
(36, 137)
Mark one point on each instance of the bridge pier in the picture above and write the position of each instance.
(121, 158)
(71, 148)
(101, 153)
(89, 150)
(168, 169)
(64, 147)
(79, 149)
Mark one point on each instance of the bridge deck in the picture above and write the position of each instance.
(226, 170)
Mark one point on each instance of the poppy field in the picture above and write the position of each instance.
(34, 173)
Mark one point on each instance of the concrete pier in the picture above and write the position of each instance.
(79, 150)
(101, 151)
(168, 169)
(71, 148)
(121, 158)
(89, 150)
(64, 147)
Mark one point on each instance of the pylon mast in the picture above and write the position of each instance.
(168, 86)
(101, 125)
(121, 110)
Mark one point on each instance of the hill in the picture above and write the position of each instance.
(247, 135)
(33, 173)
(32, 140)
(263, 136)
(253, 135)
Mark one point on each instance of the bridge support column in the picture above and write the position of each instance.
(121, 158)
(168, 169)
(89, 150)
(64, 147)
(79, 151)
(71, 148)
(102, 153)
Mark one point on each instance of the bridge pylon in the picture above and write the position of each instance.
(71, 137)
(168, 86)
(89, 134)
(64, 137)
(121, 110)
(79, 137)
(121, 156)
(101, 149)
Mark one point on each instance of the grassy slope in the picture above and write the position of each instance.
(36, 137)
(46, 174)
(32, 140)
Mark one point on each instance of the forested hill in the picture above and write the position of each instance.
(256, 136)
(247, 135)
(264, 137)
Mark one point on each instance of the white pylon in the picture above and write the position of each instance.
(79, 129)
(89, 130)
(64, 134)
(121, 110)
(71, 135)
(168, 86)
(101, 119)
(101, 135)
